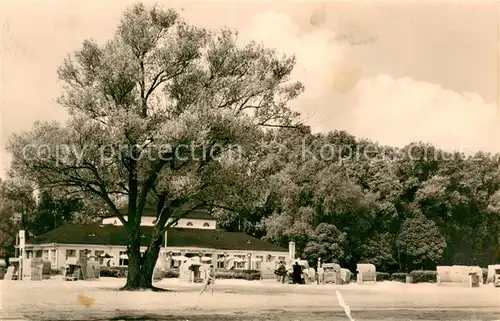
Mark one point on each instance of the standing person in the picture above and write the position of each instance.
(321, 275)
(306, 276)
(297, 273)
(210, 280)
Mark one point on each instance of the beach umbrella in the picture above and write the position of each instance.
(179, 258)
(124, 257)
(206, 259)
(237, 260)
(193, 262)
(72, 261)
(105, 256)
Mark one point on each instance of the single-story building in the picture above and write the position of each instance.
(195, 234)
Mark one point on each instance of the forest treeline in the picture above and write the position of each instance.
(348, 200)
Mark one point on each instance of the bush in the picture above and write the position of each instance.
(399, 277)
(108, 273)
(249, 275)
(382, 276)
(170, 274)
(55, 272)
(423, 276)
(114, 272)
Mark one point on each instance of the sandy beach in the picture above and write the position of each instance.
(246, 300)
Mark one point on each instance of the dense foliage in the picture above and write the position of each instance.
(20, 208)
(351, 201)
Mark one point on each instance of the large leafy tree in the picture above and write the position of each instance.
(156, 113)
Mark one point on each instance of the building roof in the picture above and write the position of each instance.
(201, 214)
(98, 234)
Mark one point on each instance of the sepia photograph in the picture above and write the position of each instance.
(249, 160)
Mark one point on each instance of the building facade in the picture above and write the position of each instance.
(196, 234)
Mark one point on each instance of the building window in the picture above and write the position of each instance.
(221, 260)
(206, 224)
(123, 261)
(258, 262)
(70, 253)
(240, 264)
(46, 255)
(189, 224)
(98, 257)
(53, 257)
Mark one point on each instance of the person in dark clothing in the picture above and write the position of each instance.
(297, 273)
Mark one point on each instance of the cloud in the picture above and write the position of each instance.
(398, 111)
(393, 111)
(318, 54)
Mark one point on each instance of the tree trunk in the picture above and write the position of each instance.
(140, 270)
(151, 257)
(134, 259)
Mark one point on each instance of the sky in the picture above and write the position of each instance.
(391, 72)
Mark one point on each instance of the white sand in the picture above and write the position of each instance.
(58, 300)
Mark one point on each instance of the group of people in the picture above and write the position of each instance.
(300, 275)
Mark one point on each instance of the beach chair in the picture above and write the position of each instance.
(9, 275)
(73, 276)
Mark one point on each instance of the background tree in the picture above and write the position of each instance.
(327, 243)
(22, 209)
(420, 242)
(52, 212)
(8, 228)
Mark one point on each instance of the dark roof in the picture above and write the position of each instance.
(201, 214)
(97, 234)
